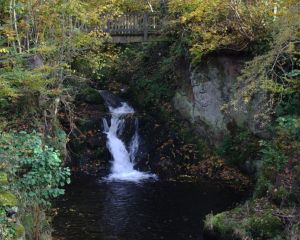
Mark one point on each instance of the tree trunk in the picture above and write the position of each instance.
(14, 23)
(150, 6)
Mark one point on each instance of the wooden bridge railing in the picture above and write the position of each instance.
(133, 24)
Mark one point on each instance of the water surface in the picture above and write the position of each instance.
(150, 210)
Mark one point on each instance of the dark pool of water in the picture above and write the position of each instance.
(145, 211)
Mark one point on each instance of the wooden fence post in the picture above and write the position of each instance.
(145, 21)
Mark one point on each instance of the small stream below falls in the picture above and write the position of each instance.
(128, 204)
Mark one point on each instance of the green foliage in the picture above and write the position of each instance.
(239, 147)
(96, 64)
(157, 91)
(38, 46)
(272, 161)
(149, 70)
(20, 230)
(7, 199)
(272, 156)
(289, 126)
(244, 222)
(7, 230)
(58, 139)
(90, 95)
(55, 32)
(276, 72)
(233, 25)
(289, 105)
(219, 224)
(35, 167)
(36, 176)
(266, 226)
(136, 5)
(3, 179)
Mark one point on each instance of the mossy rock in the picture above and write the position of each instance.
(20, 231)
(7, 199)
(220, 226)
(263, 227)
(3, 178)
(91, 96)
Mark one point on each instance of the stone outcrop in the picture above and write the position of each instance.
(207, 96)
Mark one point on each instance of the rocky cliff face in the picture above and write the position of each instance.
(207, 98)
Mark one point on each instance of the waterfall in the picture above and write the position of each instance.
(123, 156)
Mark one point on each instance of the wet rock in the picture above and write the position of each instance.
(157, 151)
(110, 99)
(128, 131)
(34, 61)
(93, 142)
(87, 145)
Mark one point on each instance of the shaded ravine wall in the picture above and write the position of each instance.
(211, 98)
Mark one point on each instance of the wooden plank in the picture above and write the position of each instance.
(145, 21)
(132, 24)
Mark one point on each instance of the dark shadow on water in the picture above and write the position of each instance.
(138, 211)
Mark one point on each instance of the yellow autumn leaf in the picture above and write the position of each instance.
(4, 50)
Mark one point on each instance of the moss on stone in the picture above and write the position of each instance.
(3, 178)
(220, 225)
(253, 220)
(90, 95)
(265, 226)
(7, 199)
(19, 231)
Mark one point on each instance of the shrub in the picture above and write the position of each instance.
(239, 147)
(220, 224)
(272, 161)
(213, 25)
(35, 167)
(35, 171)
(266, 226)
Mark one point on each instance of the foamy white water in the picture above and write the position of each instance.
(123, 158)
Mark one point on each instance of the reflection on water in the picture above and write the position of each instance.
(137, 211)
(118, 206)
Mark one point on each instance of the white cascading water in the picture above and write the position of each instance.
(123, 158)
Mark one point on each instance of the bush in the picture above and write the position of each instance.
(90, 95)
(253, 220)
(264, 227)
(36, 168)
(220, 224)
(239, 147)
(272, 161)
(212, 25)
(35, 172)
